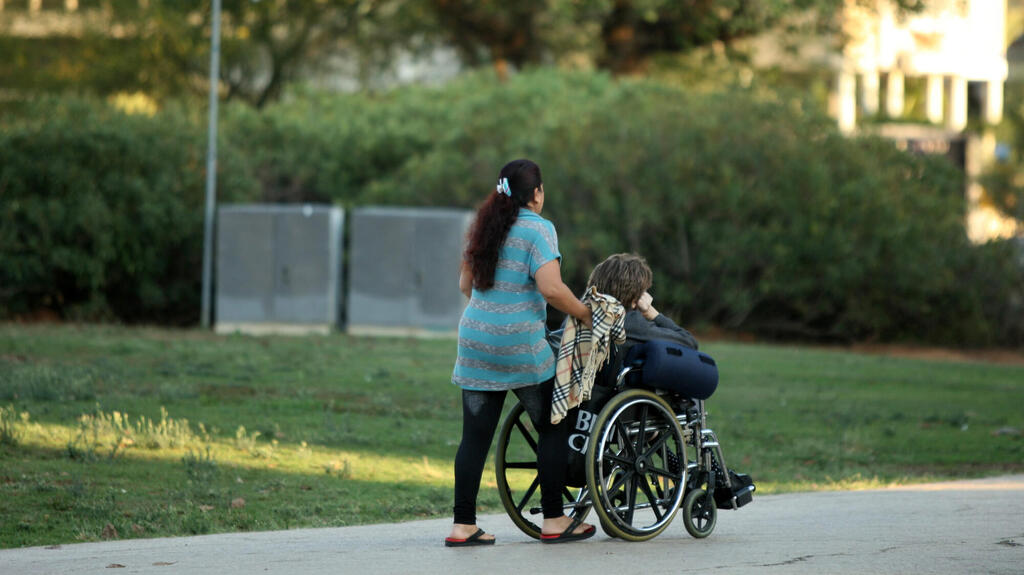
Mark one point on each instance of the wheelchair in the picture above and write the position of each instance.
(644, 447)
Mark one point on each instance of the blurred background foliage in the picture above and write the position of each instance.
(161, 47)
(755, 213)
(102, 211)
(654, 133)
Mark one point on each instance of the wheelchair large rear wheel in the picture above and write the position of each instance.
(636, 465)
(515, 464)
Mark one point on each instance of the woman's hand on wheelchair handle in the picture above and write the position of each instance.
(588, 321)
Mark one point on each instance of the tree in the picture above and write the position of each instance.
(1004, 182)
(622, 35)
(162, 46)
(517, 32)
(635, 30)
(265, 44)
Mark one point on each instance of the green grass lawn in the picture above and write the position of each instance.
(155, 432)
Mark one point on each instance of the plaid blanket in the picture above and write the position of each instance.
(583, 352)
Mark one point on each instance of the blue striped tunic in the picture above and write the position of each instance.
(501, 333)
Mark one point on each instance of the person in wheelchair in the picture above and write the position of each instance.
(688, 377)
(627, 278)
(640, 449)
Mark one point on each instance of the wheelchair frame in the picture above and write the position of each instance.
(637, 444)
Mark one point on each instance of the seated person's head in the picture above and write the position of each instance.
(623, 276)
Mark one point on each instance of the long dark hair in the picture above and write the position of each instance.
(495, 218)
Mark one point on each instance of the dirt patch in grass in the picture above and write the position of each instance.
(230, 391)
(999, 356)
(961, 470)
(1013, 357)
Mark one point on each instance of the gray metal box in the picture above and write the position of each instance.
(404, 270)
(278, 268)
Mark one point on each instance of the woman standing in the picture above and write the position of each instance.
(510, 271)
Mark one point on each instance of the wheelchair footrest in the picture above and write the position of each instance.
(741, 491)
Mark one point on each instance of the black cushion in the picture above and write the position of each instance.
(674, 367)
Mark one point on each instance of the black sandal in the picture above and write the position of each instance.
(568, 535)
(470, 541)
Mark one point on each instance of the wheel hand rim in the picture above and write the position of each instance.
(630, 454)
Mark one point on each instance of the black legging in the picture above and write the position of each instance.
(481, 411)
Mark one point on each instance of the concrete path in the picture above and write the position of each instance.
(969, 527)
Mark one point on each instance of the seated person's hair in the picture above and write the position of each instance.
(623, 276)
(626, 277)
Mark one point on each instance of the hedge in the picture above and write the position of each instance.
(103, 213)
(755, 213)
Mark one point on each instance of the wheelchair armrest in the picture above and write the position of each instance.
(634, 356)
(635, 363)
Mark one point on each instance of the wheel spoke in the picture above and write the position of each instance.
(665, 473)
(521, 465)
(650, 497)
(701, 514)
(526, 435)
(630, 448)
(529, 494)
(616, 458)
(583, 494)
(641, 432)
(658, 444)
(631, 499)
(620, 481)
(701, 510)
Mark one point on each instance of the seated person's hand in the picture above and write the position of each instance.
(645, 307)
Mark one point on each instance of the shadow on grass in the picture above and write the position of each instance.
(47, 498)
(349, 422)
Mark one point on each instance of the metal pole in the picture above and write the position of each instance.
(211, 166)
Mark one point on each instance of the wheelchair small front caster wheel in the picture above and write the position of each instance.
(699, 513)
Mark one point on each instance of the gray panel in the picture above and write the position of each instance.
(381, 273)
(440, 240)
(302, 289)
(404, 268)
(245, 247)
(278, 264)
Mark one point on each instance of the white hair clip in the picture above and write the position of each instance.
(503, 188)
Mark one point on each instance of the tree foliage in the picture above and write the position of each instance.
(162, 46)
(265, 45)
(619, 35)
(102, 212)
(1004, 182)
(755, 213)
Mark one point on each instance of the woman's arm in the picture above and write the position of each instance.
(549, 282)
(466, 279)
